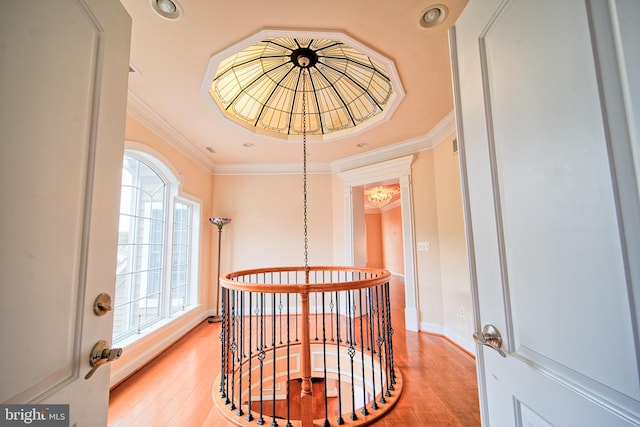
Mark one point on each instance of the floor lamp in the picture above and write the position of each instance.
(219, 222)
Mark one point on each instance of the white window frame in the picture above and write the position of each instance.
(174, 195)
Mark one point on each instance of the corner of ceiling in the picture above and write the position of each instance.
(140, 111)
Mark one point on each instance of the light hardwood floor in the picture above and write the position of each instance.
(440, 387)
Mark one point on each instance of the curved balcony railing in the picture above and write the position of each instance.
(306, 346)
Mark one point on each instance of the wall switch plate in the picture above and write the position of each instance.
(423, 246)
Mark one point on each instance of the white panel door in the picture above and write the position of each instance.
(548, 125)
(63, 88)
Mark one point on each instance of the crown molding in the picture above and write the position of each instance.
(271, 169)
(440, 131)
(140, 111)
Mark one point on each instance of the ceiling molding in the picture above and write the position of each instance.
(158, 125)
(271, 169)
(440, 131)
(385, 208)
(385, 170)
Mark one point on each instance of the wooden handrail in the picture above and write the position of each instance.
(378, 277)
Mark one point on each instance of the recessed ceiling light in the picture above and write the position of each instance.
(434, 15)
(167, 9)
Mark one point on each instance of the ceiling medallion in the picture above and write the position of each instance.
(260, 85)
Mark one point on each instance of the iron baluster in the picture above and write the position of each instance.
(340, 420)
(374, 404)
(385, 343)
(352, 352)
(234, 349)
(390, 339)
(261, 357)
(288, 366)
(280, 307)
(379, 342)
(249, 414)
(324, 356)
(364, 411)
(240, 351)
(315, 297)
(223, 346)
(274, 423)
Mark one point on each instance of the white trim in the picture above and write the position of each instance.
(393, 169)
(421, 143)
(140, 111)
(271, 169)
(433, 328)
(156, 160)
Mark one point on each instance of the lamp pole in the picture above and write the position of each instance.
(219, 222)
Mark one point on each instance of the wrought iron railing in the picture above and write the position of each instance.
(306, 346)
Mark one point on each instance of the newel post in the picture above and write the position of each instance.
(306, 399)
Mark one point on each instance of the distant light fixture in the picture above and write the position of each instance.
(381, 195)
(167, 9)
(248, 145)
(362, 145)
(434, 15)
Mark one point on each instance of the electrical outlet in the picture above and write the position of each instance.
(423, 246)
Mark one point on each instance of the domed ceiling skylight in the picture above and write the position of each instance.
(260, 85)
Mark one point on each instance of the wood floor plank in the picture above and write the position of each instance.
(175, 389)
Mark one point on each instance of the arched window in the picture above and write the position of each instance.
(156, 276)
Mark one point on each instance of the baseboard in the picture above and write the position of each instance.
(465, 344)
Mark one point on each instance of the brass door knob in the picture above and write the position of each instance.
(100, 355)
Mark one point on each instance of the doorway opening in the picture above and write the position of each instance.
(356, 181)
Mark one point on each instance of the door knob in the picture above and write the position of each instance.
(101, 355)
(490, 336)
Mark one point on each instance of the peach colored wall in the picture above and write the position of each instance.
(456, 286)
(426, 230)
(267, 228)
(374, 240)
(392, 249)
(338, 206)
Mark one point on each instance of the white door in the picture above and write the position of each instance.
(63, 88)
(547, 102)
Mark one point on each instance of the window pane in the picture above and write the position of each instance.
(140, 248)
(180, 256)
